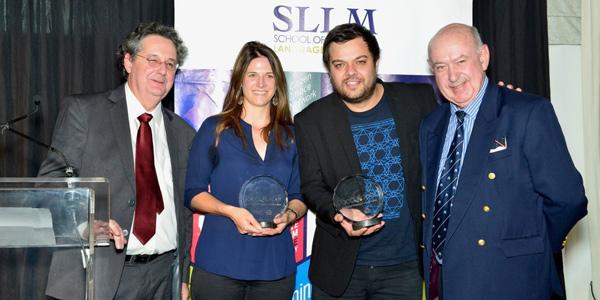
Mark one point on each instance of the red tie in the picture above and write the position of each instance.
(149, 200)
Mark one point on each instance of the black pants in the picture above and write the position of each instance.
(206, 285)
(400, 281)
(151, 280)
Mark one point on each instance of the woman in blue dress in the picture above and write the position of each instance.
(252, 136)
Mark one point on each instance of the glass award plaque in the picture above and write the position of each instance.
(359, 199)
(264, 197)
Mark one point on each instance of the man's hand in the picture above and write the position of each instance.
(347, 225)
(185, 292)
(509, 86)
(116, 234)
(110, 230)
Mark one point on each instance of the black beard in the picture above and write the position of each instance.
(355, 100)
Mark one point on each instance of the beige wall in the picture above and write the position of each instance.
(574, 76)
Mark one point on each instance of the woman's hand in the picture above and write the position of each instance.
(243, 220)
(281, 222)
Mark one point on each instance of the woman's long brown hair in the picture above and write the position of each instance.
(280, 118)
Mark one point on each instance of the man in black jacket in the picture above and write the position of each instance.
(371, 128)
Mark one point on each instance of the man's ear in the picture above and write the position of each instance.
(484, 56)
(128, 62)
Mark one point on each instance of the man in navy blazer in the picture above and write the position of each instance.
(516, 193)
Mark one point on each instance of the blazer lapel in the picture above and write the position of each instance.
(174, 151)
(473, 170)
(121, 132)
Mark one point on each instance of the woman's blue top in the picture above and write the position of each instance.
(221, 249)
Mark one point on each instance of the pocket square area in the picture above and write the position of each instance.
(498, 149)
(499, 145)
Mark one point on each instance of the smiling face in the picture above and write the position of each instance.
(150, 84)
(258, 85)
(352, 70)
(458, 64)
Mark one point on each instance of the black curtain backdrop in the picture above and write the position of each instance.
(53, 48)
(517, 33)
(57, 48)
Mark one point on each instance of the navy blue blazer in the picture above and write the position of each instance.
(513, 207)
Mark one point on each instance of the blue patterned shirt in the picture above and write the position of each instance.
(378, 150)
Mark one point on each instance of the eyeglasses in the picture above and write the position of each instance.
(155, 62)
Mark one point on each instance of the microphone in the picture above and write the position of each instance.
(36, 101)
(69, 170)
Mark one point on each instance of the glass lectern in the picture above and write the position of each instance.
(56, 213)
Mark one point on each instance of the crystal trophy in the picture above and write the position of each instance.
(265, 198)
(359, 199)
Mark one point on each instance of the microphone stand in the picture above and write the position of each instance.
(69, 170)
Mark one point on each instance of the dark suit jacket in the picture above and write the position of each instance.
(327, 154)
(93, 133)
(512, 208)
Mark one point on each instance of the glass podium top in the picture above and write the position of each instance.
(53, 212)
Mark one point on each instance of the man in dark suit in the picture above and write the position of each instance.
(365, 127)
(500, 189)
(127, 136)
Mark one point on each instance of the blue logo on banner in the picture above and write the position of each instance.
(303, 287)
(294, 18)
(293, 32)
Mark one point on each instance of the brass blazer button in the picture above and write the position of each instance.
(486, 208)
(492, 175)
(423, 188)
(422, 246)
(423, 216)
(481, 242)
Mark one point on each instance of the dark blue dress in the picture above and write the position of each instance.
(221, 248)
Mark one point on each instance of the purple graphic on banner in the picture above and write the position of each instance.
(326, 87)
(428, 79)
(199, 94)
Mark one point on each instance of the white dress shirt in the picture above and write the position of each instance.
(165, 238)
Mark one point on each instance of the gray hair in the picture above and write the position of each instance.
(132, 42)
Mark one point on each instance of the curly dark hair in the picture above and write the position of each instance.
(346, 32)
(133, 40)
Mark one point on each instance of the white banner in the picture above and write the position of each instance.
(214, 31)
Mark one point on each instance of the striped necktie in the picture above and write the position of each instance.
(446, 188)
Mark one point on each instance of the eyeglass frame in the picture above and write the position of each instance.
(155, 62)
